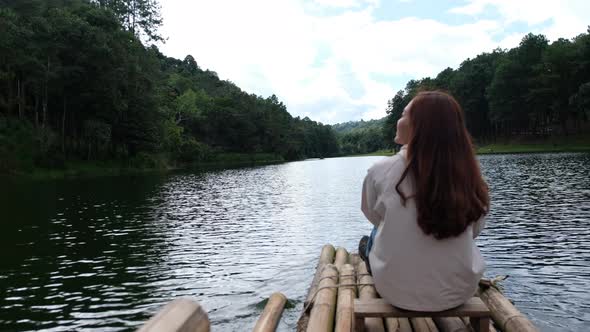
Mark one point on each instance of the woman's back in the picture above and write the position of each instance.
(428, 204)
(413, 270)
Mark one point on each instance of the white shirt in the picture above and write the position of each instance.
(412, 270)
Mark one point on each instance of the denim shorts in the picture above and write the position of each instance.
(370, 242)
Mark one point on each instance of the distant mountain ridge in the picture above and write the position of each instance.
(345, 127)
(359, 137)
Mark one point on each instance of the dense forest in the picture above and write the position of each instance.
(536, 90)
(82, 80)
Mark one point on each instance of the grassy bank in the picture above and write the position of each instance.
(559, 144)
(532, 148)
(385, 153)
(75, 169)
(144, 164)
(577, 143)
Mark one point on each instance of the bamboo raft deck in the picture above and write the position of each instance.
(341, 284)
(333, 307)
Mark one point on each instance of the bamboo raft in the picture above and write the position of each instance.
(342, 285)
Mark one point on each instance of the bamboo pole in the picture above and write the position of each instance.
(346, 295)
(451, 324)
(321, 318)
(178, 315)
(468, 324)
(354, 259)
(341, 257)
(326, 257)
(404, 325)
(423, 324)
(504, 313)
(327, 254)
(369, 292)
(391, 324)
(398, 325)
(270, 317)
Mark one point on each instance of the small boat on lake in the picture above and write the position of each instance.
(342, 298)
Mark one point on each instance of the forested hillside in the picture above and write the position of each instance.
(79, 82)
(536, 90)
(358, 137)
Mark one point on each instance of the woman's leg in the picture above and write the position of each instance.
(365, 246)
(371, 241)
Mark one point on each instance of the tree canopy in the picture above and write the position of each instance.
(358, 137)
(79, 81)
(536, 89)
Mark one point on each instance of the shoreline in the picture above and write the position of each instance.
(531, 148)
(504, 149)
(89, 169)
(84, 169)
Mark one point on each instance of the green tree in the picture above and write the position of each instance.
(395, 107)
(469, 86)
(141, 17)
(581, 101)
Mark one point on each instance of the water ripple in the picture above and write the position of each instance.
(107, 253)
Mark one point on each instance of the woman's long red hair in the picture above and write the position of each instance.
(450, 192)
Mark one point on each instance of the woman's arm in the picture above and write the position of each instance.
(369, 201)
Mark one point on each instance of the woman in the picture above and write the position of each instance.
(428, 204)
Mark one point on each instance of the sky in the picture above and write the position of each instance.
(341, 60)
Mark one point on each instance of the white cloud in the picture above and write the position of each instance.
(346, 3)
(472, 8)
(566, 18)
(324, 66)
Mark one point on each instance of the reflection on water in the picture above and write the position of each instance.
(106, 253)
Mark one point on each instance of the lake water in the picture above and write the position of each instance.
(106, 253)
